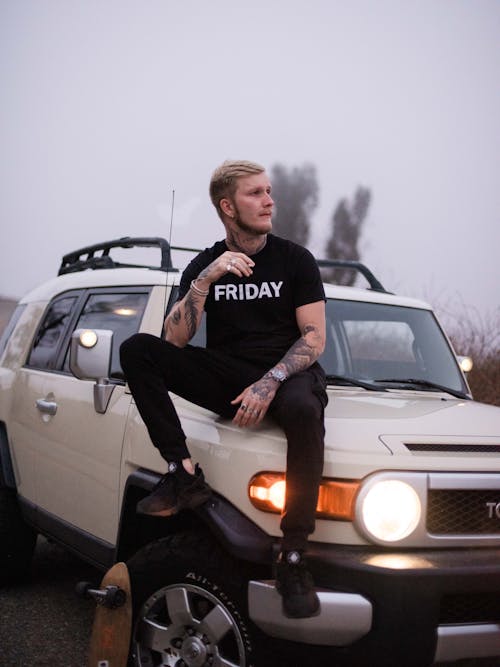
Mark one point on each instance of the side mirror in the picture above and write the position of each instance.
(90, 359)
(90, 353)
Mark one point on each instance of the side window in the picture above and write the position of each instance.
(45, 345)
(10, 327)
(121, 312)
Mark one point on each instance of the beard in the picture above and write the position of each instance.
(246, 228)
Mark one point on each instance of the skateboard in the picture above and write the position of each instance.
(110, 638)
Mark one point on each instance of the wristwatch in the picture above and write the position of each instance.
(277, 374)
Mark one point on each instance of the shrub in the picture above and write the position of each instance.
(478, 337)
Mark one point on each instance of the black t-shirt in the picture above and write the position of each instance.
(254, 318)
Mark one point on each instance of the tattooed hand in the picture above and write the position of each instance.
(254, 402)
(236, 263)
(184, 319)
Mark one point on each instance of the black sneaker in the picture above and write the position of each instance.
(295, 585)
(177, 490)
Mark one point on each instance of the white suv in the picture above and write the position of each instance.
(406, 552)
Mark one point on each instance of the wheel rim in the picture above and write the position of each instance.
(184, 625)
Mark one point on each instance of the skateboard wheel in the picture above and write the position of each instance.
(115, 597)
(82, 589)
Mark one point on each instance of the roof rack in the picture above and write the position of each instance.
(375, 284)
(74, 261)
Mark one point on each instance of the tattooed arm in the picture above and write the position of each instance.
(258, 396)
(311, 321)
(183, 321)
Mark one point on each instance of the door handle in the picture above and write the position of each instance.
(49, 407)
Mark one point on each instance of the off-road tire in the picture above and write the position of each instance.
(190, 602)
(17, 540)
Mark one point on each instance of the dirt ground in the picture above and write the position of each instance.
(43, 622)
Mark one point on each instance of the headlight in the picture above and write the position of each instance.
(390, 510)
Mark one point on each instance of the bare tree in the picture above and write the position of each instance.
(347, 224)
(295, 192)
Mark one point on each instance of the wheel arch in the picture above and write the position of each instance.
(234, 531)
(206, 584)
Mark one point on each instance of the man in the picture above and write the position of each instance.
(265, 310)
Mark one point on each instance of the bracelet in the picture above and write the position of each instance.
(197, 290)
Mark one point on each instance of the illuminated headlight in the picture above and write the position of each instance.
(390, 510)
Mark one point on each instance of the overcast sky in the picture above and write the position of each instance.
(107, 106)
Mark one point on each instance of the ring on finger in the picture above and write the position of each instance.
(229, 267)
(243, 407)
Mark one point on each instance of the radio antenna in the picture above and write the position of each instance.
(171, 219)
(170, 253)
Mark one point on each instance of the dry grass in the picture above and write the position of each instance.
(479, 338)
(484, 379)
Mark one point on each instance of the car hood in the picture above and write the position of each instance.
(359, 420)
(373, 423)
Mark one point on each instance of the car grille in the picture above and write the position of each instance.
(462, 512)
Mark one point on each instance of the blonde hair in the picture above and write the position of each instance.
(225, 179)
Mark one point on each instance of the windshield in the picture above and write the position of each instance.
(374, 341)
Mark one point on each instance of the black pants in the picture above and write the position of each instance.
(212, 379)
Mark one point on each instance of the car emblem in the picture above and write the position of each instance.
(493, 510)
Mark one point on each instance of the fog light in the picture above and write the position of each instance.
(391, 510)
(88, 338)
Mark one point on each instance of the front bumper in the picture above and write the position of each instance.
(383, 607)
